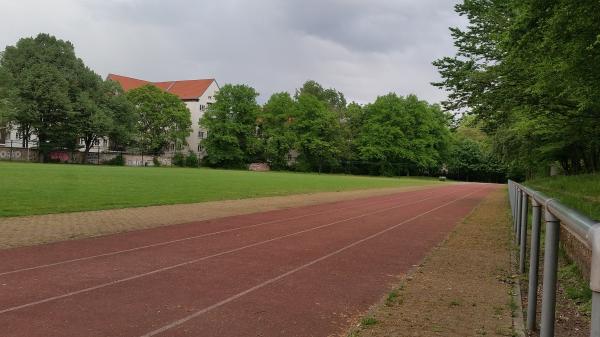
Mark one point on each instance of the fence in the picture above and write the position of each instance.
(14, 151)
(583, 228)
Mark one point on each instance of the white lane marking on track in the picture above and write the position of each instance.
(304, 266)
(164, 243)
(103, 285)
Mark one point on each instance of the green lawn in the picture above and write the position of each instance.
(31, 188)
(581, 192)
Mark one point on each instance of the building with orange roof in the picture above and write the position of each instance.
(196, 94)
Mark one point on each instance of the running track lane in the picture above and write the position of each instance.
(97, 271)
(304, 284)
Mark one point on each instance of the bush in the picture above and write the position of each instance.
(178, 159)
(191, 160)
(156, 162)
(116, 161)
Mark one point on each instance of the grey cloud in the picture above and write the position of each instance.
(362, 48)
(368, 26)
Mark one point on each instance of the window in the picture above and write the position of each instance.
(200, 148)
(97, 142)
(202, 107)
(201, 134)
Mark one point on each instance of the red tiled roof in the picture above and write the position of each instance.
(188, 89)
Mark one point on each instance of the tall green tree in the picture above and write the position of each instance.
(318, 134)
(403, 135)
(471, 157)
(530, 70)
(163, 119)
(124, 118)
(102, 111)
(334, 99)
(279, 138)
(44, 71)
(6, 110)
(231, 123)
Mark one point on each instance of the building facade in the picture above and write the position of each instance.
(197, 95)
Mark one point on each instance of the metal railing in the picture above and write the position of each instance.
(582, 227)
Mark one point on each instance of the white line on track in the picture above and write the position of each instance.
(164, 243)
(155, 271)
(304, 266)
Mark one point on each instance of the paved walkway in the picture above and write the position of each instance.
(38, 229)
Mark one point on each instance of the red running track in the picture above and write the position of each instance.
(306, 271)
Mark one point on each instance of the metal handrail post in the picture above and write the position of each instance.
(594, 238)
(518, 216)
(595, 331)
(514, 206)
(523, 232)
(584, 229)
(550, 273)
(534, 254)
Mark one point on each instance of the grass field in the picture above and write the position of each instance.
(581, 192)
(31, 188)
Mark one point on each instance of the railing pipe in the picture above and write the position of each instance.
(550, 272)
(582, 227)
(594, 236)
(536, 213)
(518, 217)
(523, 232)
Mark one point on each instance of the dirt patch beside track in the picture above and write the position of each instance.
(461, 289)
(39, 229)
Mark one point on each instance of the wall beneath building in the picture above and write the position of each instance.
(18, 154)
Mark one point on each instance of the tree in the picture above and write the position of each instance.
(231, 124)
(505, 73)
(277, 117)
(123, 116)
(92, 116)
(318, 134)
(163, 118)
(6, 94)
(471, 157)
(334, 99)
(102, 111)
(402, 135)
(44, 72)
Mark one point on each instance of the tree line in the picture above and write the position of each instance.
(46, 91)
(316, 130)
(528, 71)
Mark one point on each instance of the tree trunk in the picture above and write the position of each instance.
(88, 146)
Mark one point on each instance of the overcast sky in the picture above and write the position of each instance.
(363, 48)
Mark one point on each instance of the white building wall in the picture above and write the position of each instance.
(197, 109)
(13, 139)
